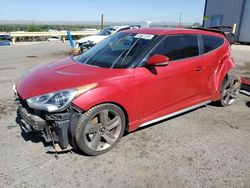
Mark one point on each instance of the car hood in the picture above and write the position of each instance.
(94, 38)
(64, 74)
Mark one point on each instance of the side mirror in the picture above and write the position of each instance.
(158, 60)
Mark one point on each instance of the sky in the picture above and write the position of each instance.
(113, 10)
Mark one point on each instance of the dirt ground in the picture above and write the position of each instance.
(208, 147)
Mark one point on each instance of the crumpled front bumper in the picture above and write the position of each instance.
(56, 128)
(29, 121)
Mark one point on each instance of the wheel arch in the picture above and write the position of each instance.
(221, 73)
(83, 141)
(124, 100)
(225, 79)
(121, 107)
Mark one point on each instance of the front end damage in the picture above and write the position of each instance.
(55, 128)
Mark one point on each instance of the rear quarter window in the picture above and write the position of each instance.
(210, 43)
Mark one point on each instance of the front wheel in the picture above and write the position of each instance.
(100, 129)
(230, 91)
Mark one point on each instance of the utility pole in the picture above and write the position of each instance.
(102, 21)
(180, 19)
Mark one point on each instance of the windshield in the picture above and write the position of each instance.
(107, 31)
(121, 50)
(5, 37)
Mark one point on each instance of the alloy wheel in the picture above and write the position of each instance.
(102, 130)
(231, 91)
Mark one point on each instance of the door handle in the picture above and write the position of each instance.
(199, 68)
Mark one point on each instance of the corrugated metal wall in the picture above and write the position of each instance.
(230, 10)
(244, 34)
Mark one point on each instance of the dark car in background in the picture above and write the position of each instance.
(5, 40)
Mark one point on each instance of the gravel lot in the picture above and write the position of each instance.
(208, 147)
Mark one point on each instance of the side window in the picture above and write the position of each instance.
(210, 43)
(178, 47)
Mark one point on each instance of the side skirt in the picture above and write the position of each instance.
(175, 113)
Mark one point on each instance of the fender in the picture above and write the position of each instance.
(225, 65)
(124, 97)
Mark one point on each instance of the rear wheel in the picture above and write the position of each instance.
(230, 91)
(100, 129)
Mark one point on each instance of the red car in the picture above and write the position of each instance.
(131, 79)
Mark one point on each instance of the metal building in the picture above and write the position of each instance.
(228, 12)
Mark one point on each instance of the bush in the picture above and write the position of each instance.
(33, 28)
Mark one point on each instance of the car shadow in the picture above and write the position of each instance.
(215, 103)
(248, 104)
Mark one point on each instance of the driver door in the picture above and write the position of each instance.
(165, 89)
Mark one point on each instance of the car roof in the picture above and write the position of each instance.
(171, 31)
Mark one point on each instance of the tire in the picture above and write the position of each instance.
(100, 129)
(230, 91)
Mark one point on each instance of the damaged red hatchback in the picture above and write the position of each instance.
(131, 79)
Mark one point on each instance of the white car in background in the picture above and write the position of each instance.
(54, 38)
(89, 41)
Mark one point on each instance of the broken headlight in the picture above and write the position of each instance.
(57, 101)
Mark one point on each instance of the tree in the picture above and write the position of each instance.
(33, 28)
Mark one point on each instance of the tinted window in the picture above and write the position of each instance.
(178, 47)
(210, 43)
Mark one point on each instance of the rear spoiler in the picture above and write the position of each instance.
(229, 35)
(209, 29)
